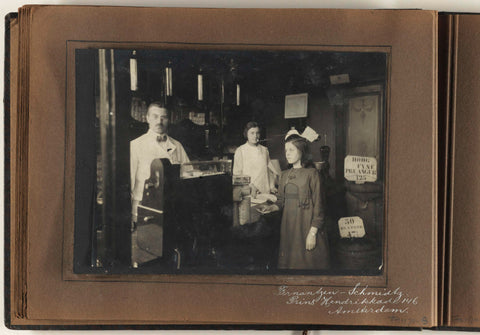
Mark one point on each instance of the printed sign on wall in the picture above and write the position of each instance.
(360, 169)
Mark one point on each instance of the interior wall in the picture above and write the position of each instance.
(321, 117)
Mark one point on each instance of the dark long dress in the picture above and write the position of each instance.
(299, 194)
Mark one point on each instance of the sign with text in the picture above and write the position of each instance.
(351, 226)
(360, 169)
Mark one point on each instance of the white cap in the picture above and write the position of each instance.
(292, 131)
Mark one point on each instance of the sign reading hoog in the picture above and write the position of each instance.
(360, 169)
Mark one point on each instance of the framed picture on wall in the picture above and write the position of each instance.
(296, 105)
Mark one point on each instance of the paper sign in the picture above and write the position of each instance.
(310, 134)
(360, 169)
(340, 79)
(351, 226)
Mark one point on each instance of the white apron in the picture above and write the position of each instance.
(255, 165)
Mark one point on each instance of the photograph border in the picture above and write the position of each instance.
(380, 280)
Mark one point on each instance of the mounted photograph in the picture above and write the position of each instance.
(215, 160)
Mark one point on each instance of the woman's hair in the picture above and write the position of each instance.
(248, 126)
(302, 145)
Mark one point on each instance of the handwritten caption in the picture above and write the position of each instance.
(357, 300)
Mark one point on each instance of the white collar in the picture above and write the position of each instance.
(252, 147)
(169, 145)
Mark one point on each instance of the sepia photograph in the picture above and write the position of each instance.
(231, 160)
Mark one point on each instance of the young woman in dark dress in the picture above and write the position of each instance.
(303, 242)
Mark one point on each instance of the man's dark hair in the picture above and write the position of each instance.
(158, 104)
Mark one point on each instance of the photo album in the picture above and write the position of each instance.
(241, 168)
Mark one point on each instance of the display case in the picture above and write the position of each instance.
(205, 168)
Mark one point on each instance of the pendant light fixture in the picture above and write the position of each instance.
(133, 72)
(168, 80)
(238, 94)
(200, 85)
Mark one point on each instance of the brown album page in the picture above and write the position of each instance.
(463, 309)
(403, 293)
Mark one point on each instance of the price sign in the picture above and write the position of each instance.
(360, 169)
(351, 226)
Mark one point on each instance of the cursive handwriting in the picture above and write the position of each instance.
(361, 299)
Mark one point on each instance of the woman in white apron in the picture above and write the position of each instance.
(253, 160)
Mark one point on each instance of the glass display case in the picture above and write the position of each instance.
(198, 169)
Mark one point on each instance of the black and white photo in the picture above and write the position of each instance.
(259, 160)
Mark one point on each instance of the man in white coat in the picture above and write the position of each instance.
(154, 144)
